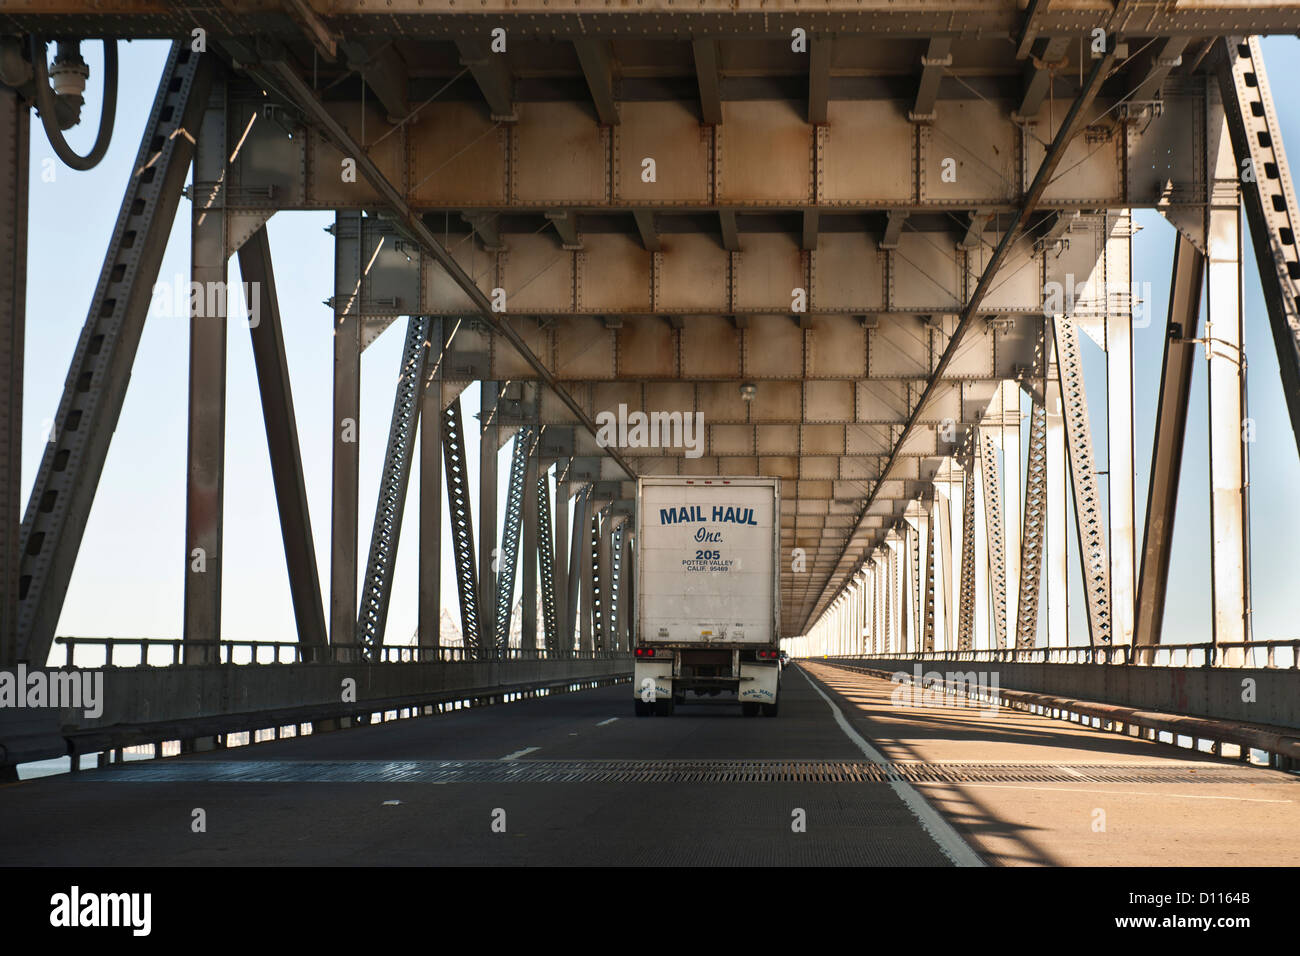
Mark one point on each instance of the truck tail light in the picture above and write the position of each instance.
(645, 652)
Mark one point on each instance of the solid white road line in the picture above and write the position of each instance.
(950, 842)
(520, 753)
(604, 722)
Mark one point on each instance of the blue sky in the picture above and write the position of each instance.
(128, 576)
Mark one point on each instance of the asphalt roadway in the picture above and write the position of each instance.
(844, 776)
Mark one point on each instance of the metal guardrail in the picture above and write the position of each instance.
(1164, 655)
(291, 652)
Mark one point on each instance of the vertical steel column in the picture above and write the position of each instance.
(1033, 530)
(605, 582)
(489, 446)
(1006, 436)
(1225, 364)
(913, 570)
(461, 514)
(528, 633)
(1088, 518)
(15, 160)
(1057, 482)
(894, 542)
(928, 529)
(1119, 427)
(587, 556)
(349, 293)
(995, 537)
(429, 627)
(206, 453)
(1167, 446)
(883, 574)
(942, 573)
(563, 612)
(579, 605)
(986, 603)
(508, 556)
(547, 559)
(258, 274)
(969, 535)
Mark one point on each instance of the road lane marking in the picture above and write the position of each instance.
(940, 830)
(604, 722)
(1117, 793)
(519, 753)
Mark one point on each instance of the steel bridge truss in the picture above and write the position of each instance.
(938, 544)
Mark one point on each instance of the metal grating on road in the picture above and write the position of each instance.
(670, 771)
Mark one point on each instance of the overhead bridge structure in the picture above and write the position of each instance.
(859, 246)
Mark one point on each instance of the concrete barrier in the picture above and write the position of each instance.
(150, 704)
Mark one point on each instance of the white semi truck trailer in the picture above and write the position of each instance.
(708, 592)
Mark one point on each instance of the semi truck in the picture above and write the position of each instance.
(707, 594)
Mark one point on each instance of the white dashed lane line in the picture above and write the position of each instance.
(519, 753)
(604, 722)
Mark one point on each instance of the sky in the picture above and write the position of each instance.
(129, 572)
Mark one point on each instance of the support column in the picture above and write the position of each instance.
(206, 455)
(578, 599)
(282, 441)
(1225, 366)
(986, 604)
(605, 578)
(585, 536)
(563, 615)
(349, 290)
(430, 609)
(489, 446)
(528, 633)
(1005, 434)
(1167, 446)
(1057, 564)
(15, 147)
(1119, 431)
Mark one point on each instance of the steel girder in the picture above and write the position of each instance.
(206, 411)
(462, 524)
(377, 585)
(1172, 399)
(995, 538)
(966, 599)
(282, 442)
(70, 467)
(1089, 519)
(525, 442)
(1271, 206)
(546, 562)
(429, 629)
(15, 134)
(1033, 530)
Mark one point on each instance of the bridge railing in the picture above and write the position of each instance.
(172, 652)
(1273, 654)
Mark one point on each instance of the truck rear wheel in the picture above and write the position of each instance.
(748, 709)
(642, 708)
(769, 710)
